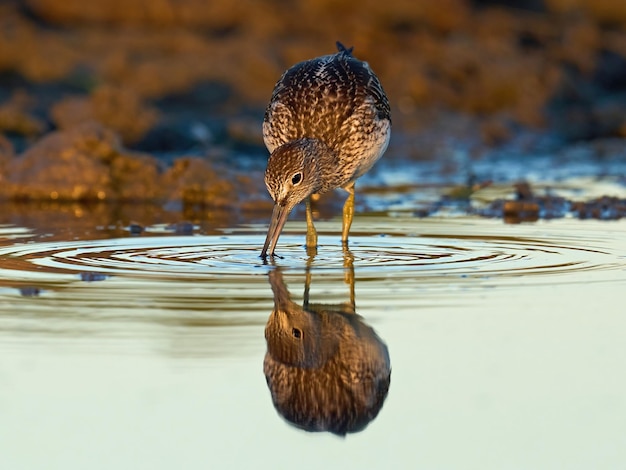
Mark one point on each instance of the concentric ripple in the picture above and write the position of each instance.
(449, 248)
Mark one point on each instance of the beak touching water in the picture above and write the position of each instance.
(279, 217)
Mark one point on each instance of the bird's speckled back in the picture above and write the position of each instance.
(336, 99)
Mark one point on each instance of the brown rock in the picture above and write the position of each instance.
(141, 12)
(6, 155)
(37, 54)
(195, 181)
(516, 212)
(15, 117)
(85, 163)
(608, 11)
(117, 108)
(136, 178)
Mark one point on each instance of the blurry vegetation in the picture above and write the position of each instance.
(191, 77)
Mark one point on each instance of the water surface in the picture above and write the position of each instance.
(505, 344)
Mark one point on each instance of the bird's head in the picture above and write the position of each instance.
(292, 174)
(294, 335)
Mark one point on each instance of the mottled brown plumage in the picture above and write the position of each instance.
(326, 369)
(327, 123)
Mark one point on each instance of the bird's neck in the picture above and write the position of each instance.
(326, 162)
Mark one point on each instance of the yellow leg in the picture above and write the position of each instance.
(348, 275)
(348, 213)
(311, 234)
(307, 286)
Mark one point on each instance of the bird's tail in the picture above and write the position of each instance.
(343, 49)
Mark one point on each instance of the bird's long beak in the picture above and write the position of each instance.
(282, 298)
(279, 217)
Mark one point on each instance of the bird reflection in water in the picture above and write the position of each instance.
(326, 369)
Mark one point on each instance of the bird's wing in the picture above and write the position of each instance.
(323, 94)
(277, 127)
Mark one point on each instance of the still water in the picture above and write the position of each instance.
(481, 346)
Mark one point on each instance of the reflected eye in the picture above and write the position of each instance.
(295, 179)
(296, 333)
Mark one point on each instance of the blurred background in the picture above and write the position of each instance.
(134, 120)
(136, 100)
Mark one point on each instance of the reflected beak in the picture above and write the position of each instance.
(279, 217)
(282, 298)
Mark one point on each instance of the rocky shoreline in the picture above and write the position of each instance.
(161, 102)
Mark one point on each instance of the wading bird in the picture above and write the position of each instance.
(327, 123)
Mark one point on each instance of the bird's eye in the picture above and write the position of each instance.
(296, 333)
(295, 179)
